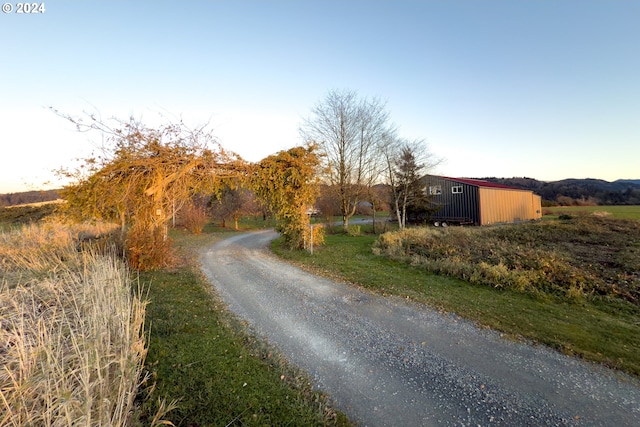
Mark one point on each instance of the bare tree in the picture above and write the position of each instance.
(234, 203)
(348, 130)
(327, 204)
(406, 162)
(378, 196)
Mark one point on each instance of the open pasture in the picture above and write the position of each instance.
(622, 212)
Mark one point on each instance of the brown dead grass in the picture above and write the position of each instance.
(72, 344)
(580, 257)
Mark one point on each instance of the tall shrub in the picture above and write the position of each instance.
(142, 176)
(287, 184)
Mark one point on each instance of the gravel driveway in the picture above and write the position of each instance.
(389, 362)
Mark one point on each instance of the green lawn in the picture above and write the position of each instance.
(626, 212)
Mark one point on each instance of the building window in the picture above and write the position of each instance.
(435, 190)
(456, 189)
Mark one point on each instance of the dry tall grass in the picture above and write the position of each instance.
(72, 344)
(37, 249)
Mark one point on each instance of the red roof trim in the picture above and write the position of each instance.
(481, 183)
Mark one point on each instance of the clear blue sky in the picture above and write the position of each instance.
(544, 89)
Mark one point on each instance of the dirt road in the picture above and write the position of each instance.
(388, 362)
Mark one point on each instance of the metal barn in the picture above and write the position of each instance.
(473, 201)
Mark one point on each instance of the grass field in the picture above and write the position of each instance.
(624, 212)
(15, 216)
(605, 330)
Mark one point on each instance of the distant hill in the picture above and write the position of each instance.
(628, 181)
(12, 199)
(579, 191)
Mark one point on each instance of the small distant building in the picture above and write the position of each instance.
(473, 201)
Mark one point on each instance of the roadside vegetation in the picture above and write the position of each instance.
(202, 355)
(575, 258)
(145, 179)
(84, 342)
(72, 343)
(593, 312)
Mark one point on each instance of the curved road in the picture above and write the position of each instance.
(388, 362)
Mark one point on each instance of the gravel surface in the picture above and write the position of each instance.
(389, 362)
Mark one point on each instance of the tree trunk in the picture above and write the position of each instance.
(373, 206)
(173, 214)
(398, 215)
(123, 232)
